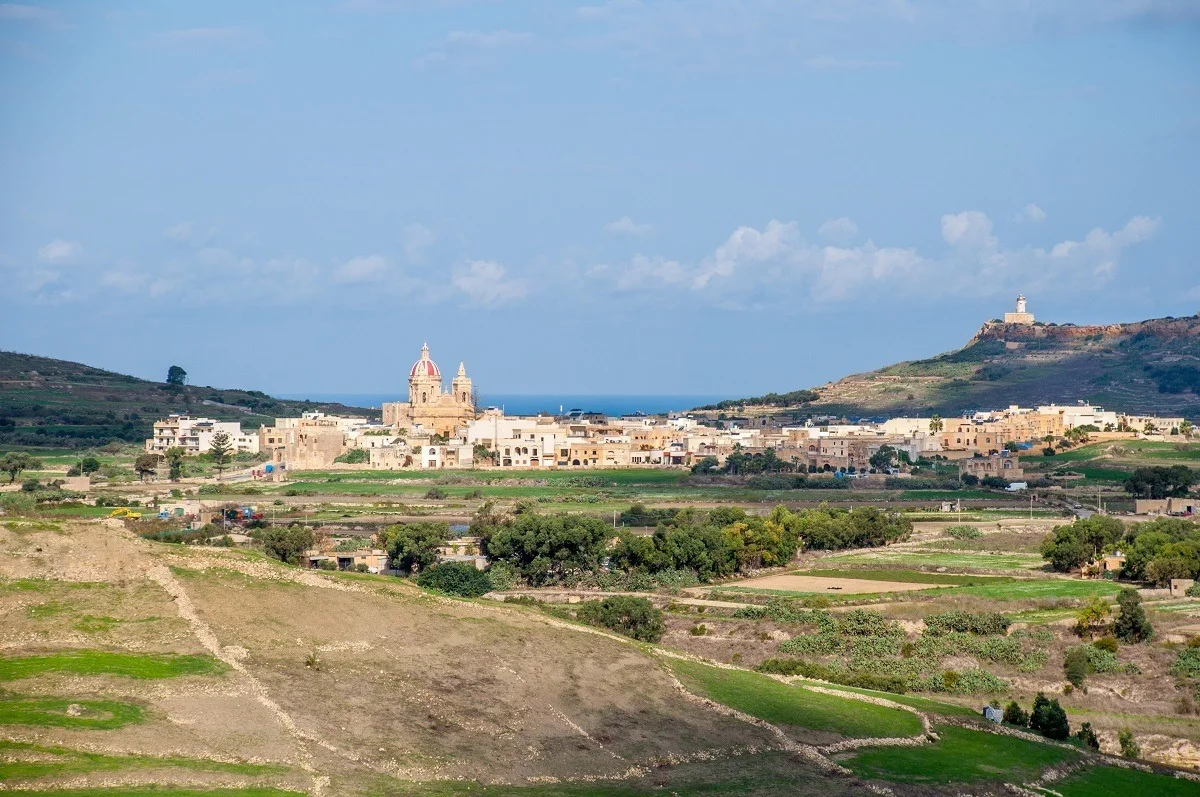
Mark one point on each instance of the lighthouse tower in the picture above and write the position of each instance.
(1022, 314)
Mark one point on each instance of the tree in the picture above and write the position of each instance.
(14, 462)
(176, 376)
(970, 480)
(1015, 715)
(1092, 618)
(146, 465)
(88, 465)
(1088, 736)
(220, 450)
(543, 548)
(1012, 446)
(1078, 543)
(1131, 626)
(1149, 428)
(633, 617)
(1048, 718)
(1161, 482)
(1186, 428)
(1129, 747)
(706, 466)
(884, 458)
(175, 456)
(935, 424)
(287, 544)
(414, 547)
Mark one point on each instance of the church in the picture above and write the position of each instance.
(429, 405)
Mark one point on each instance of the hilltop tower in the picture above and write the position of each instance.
(1022, 314)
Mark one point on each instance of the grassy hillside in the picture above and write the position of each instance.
(47, 402)
(1150, 366)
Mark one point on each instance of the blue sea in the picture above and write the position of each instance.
(533, 403)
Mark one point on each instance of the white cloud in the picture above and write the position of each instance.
(628, 226)
(746, 246)
(774, 265)
(484, 282)
(838, 229)
(1030, 213)
(369, 268)
(58, 251)
(417, 238)
(968, 230)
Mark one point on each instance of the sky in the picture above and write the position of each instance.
(628, 196)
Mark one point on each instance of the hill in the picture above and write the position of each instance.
(45, 402)
(1150, 366)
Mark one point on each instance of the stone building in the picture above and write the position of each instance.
(429, 405)
(1022, 314)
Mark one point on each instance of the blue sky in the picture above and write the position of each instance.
(661, 196)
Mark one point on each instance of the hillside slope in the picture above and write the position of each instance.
(44, 401)
(1149, 366)
(334, 684)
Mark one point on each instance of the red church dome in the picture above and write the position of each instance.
(425, 366)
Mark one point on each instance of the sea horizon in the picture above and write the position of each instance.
(534, 403)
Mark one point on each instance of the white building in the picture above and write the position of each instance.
(195, 435)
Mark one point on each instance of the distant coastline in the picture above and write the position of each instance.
(533, 403)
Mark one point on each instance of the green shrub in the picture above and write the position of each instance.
(1108, 643)
(456, 578)
(355, 456)
(1015, 715)
(287, 544)
(1188, 663)
(436, 494)
(1088, 736)
(633, 617)
(983, 623)
(1129, 747)
(1075, 666)
(963, 532)
(503, 576)
(835, 674)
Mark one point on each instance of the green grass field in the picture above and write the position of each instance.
(925, 704)
(55, 712)
(794, 706)
(100, 662)
(1116, 780)
(1040, 588)
(26, 761)
(962, 561)
(960, 756)
(909, 576)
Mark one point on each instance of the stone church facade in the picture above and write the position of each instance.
(429, 405)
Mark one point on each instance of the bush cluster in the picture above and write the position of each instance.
(633, 617)
(836, 674)
(982, 623)
(456, 578)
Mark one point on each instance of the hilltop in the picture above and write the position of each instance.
(1149, 366)
(44, 401)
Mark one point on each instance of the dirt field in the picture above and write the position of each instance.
(343, 684)
(845, 586)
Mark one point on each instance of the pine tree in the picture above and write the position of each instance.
(1131, 626)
